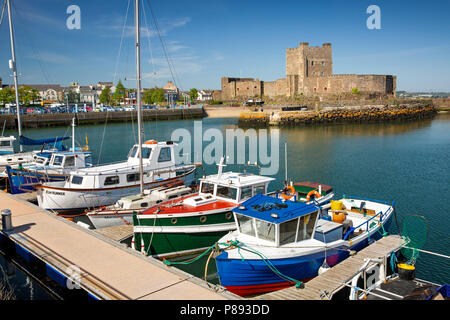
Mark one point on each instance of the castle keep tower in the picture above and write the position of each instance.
(306, 62)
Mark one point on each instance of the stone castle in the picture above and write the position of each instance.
(309, 72)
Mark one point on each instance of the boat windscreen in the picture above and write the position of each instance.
(246, 225)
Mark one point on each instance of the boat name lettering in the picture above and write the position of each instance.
(55, 193)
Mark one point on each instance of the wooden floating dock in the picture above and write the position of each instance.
(329, 282)
(116, 233)
(108, 270)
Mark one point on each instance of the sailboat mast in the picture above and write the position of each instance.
(138, 96)
(12, 65)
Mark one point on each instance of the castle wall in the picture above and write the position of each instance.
(347, 82)
(275, 88)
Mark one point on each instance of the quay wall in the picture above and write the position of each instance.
(64, 119)
(336, 115)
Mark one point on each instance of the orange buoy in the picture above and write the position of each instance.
(151, 142)
(316, 194)
(339, 216)
(289, 195)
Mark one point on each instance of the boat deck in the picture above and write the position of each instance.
(108, 270)
(323, 286)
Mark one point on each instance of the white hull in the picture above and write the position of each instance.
(54, 197)
(110, 220)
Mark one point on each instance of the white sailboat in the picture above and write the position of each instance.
(150, 164)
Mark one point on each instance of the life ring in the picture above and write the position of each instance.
(287, 195)
(313, 192)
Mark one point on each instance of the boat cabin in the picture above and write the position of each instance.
(7, 145)
(232, 186)
(276, 222)
(305, 188)
(155, 154)
(70, 160)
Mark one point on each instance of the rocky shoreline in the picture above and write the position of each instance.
(353, 114)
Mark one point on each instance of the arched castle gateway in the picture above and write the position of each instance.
(309, 71)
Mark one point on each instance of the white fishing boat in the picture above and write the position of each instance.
(103, 185)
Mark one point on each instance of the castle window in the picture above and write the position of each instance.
(322, 73)
(312, 63)
(323, 63)
(325, 89)
(315, 89)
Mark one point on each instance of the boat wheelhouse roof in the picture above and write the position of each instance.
(263, 207)
(236, 179)
(314, 185)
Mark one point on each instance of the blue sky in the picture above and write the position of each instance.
(210, 39)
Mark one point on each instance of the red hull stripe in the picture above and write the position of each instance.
(250, 290)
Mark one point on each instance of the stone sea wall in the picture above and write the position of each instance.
(336, 115)
(65, 119)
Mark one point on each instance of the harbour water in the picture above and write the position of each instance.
(408, 162)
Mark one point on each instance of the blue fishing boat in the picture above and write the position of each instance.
(55, 168)
(281, 243)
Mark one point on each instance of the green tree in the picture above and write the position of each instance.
(193, 93)
(28, 94)
(7, 95)
(72, 96)
(158, 95)
(120, 89)
(105, 96)
(147, 96)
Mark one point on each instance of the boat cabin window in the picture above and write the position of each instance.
(226, 192)
(246, 192)
(133, 152)
(111, 180)
(309, 222)
(5, 143)
(207, 188)
(133, 177)
(298, 229)
(266, 230)
(288, 231)
(246, 225)
(88, 161)
(40, 160)
(77, 180)
(260, 189)
(57, 160)
(146, 152)
(70, 161)
(164, 155)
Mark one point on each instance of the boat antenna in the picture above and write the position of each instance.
(285, 164)
(138, 96)
(13, 67)
(73, 134)
(220, 167)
